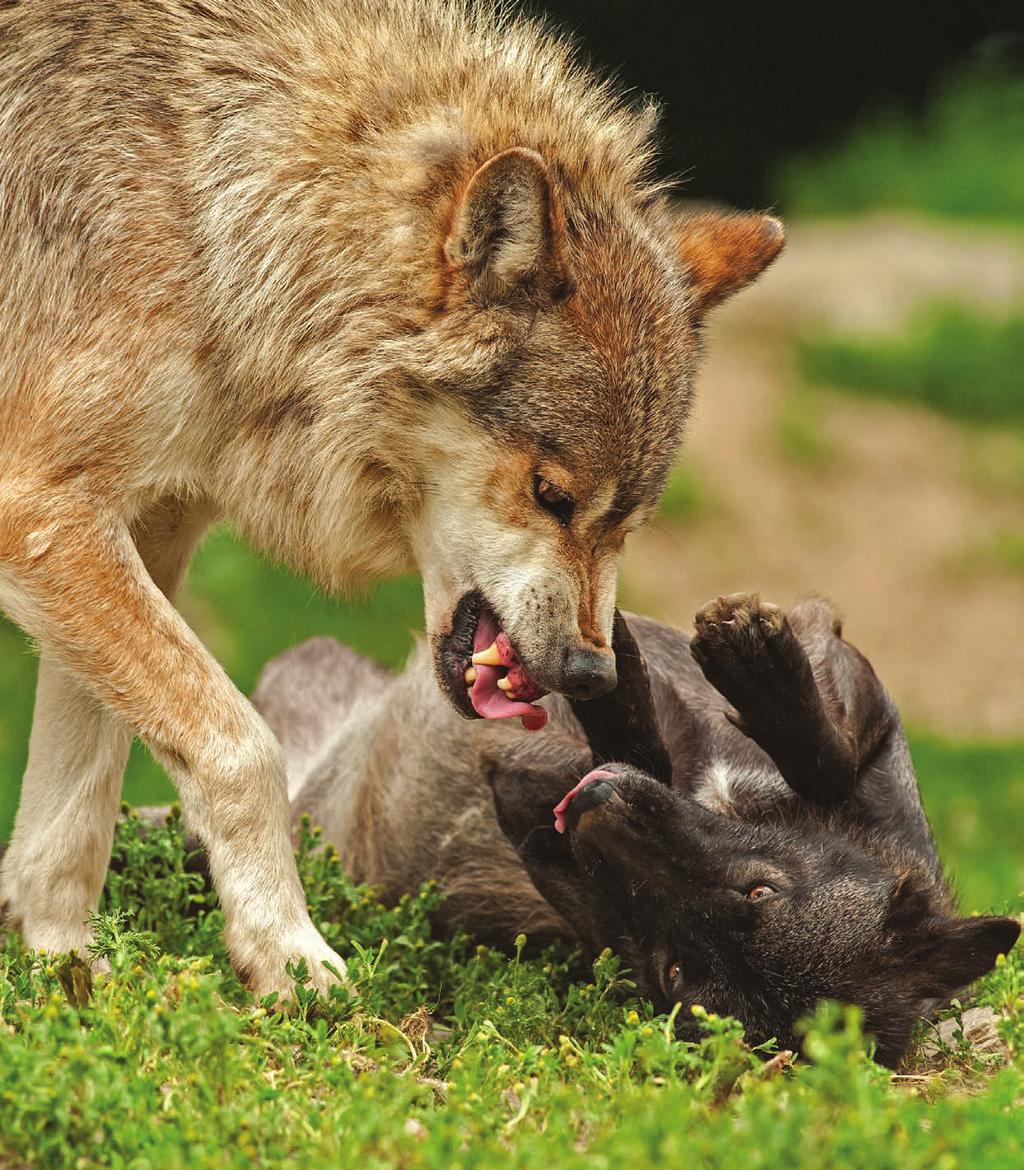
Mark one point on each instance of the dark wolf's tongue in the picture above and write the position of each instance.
(489, 701)
(560, 809)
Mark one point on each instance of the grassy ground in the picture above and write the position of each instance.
(441, 1054)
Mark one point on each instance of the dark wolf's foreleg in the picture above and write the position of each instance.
(622, 726)
(750, 653)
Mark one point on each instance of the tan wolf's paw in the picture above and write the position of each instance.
(55, 941)
(266, 971)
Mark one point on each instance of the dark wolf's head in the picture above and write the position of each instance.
(555, 379)
(755, 921)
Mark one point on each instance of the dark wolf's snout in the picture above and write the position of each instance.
(588, 674)
(595, 794)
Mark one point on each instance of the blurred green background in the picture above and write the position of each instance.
(861, 433)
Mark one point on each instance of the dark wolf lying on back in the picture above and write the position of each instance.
(756, 843)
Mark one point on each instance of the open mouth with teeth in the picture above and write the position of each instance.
(481, 669)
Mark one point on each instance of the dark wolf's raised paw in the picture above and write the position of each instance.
(749, 653)
(735, 634)
(737, 624)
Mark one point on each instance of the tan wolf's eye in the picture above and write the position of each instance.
(553, 499)
(761, 890)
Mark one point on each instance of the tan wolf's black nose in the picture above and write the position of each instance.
(588, 674)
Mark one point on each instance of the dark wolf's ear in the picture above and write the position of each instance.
(623, 726)
(948, 955)
(723, 252)
(503, 240)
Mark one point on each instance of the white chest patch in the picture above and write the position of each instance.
(723, 784)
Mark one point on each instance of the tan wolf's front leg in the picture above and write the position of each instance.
(79, 585)
(54, 869)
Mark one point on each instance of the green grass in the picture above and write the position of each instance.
(950, 359)
(439, 1055)
(963, 158)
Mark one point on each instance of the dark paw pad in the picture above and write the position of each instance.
(749, 653)
(736, 627)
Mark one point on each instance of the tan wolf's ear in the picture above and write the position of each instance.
(502, 239)
(724, 252)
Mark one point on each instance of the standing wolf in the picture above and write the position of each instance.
(383, 284)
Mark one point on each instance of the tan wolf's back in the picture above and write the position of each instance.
(226, 191)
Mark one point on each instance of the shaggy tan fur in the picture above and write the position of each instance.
(339, 272)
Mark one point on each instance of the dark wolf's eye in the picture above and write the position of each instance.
(672, 973)
(553, 499)
(761, 890)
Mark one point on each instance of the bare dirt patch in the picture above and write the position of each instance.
(893, 520)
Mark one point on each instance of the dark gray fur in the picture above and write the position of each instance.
(792, 769)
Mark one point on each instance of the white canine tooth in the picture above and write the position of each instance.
(470, 676)
(488, 657)
(504, 684)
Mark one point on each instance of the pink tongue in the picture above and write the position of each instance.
(489, 701)
(560, 809)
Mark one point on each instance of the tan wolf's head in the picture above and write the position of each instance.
(563, 352)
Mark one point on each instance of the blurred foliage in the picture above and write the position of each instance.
(974, 796)
(999, 553)
(1008, 550)
(964, 157)
(685, 495)
(800, 430)
(248, 610)
(951, 359)
(746, 85)
(995, 460)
